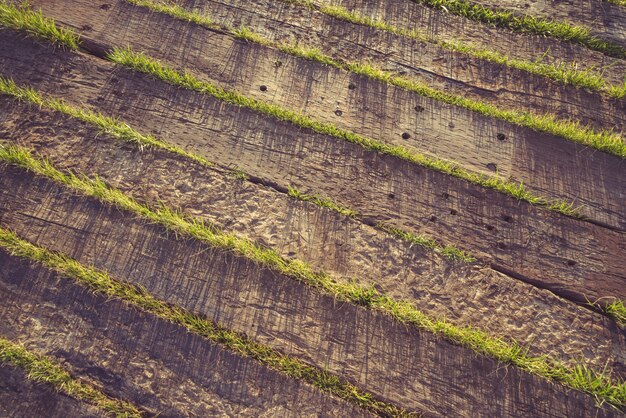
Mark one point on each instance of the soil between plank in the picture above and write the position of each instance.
(572, 258)
(464, 294)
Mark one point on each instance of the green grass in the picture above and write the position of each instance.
(42, 369)
(106, 124)
(99, 281)
(564, 73)
(447, 251)
(600, 385)
(618, 2)
(562, 31)
(322, 202)
(22, 18)
(615, 309)
(607, 141)
(145, 64)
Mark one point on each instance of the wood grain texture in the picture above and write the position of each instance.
(544, 163)
(464, 294)
(604, 19)
(572, 258)
(23, 398)
(151, 362)
(415, 370)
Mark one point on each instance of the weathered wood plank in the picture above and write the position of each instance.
(23, 398)
(575, 259)
(347, 248)
(415, 370)
(604, 19)
(135, 356)
(410, 15)
(441, 68)
(369, 108)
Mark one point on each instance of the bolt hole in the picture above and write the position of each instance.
(492, 167)
(571, 263)
(419, 108)
(453, 212)
(105, 6)
(406, 135)
(263, 88)
(391, 195)
(507, 218)
(445, 195)
(489, 227)
(351, 86)
(501, 137)
(433, 218)
(278, 63)
(451, 125)
(338, 112)
(502, 246)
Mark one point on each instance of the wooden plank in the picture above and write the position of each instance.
(578, 260)
(446, 70)
(602, 18)
(347, 248)
(20, 397)
(146, 360)
(415, 370)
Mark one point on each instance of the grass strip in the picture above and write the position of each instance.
(22, 18)
(562, 31)
(561, 72)
(124, 132)
(618, 2)
(145, 64)
(607, 141)
(616, 309)
(42, 369)
(107, 125)
(579, 376)
(447, 251)
(99, 281)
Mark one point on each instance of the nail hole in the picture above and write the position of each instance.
(571, 263)
(502, 246)
(445, 195)
(489, 227)
(86, 28)
(419, 108)
(338, 112)
(351, 86)
(278, 63)
(263, 88)
(105, 6)
(492, 167)
(433, 218)
(406, 135)
(501, 137)
(453, 212)
(507, 218)
(451, 125)
(391, 195)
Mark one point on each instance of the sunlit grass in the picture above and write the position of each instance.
(42, 369)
